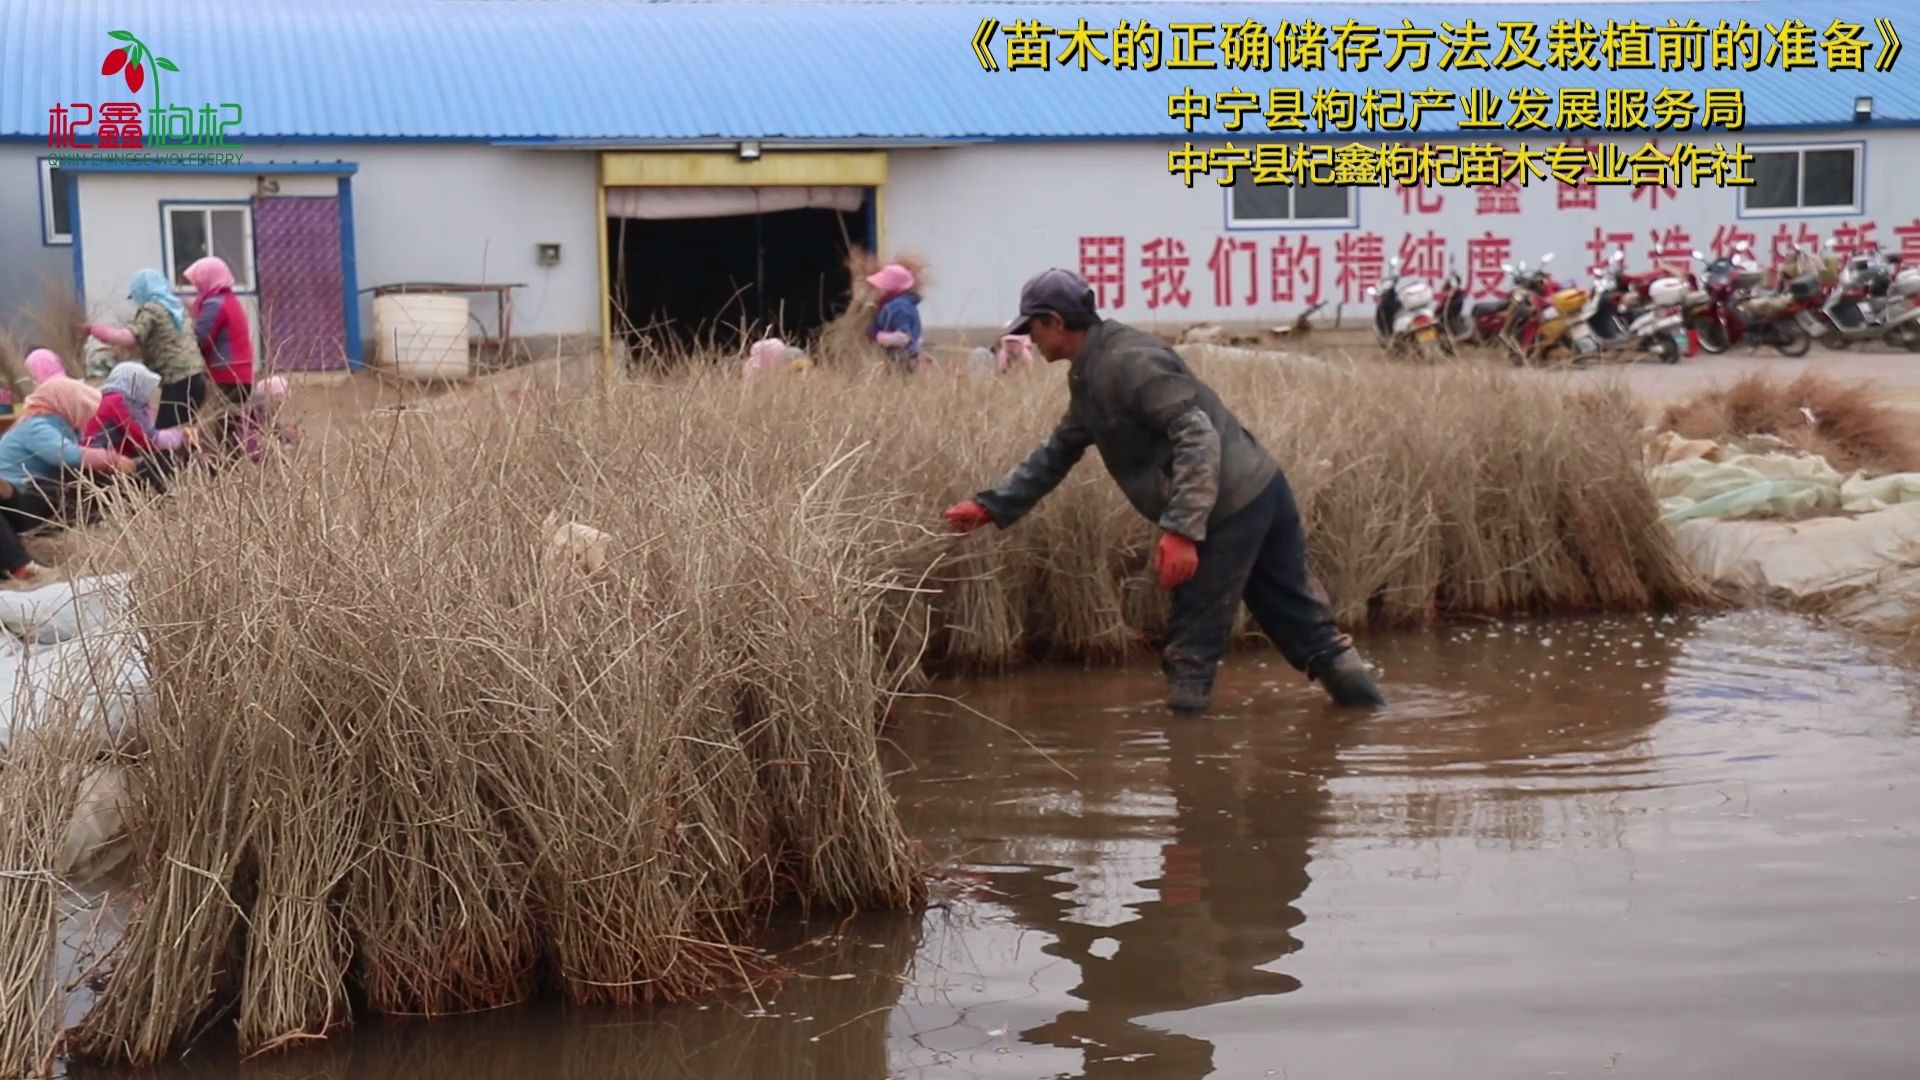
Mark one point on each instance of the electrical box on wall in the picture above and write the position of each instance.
(548, 254)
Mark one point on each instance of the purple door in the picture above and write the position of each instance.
(296, 245)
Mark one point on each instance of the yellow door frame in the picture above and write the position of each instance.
(725, 168)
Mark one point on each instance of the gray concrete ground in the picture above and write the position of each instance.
(1897, 372)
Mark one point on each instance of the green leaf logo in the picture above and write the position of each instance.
(164, 64)
(120, 34)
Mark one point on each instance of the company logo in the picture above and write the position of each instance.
(118, 131)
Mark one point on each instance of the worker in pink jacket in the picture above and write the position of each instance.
(221, 327)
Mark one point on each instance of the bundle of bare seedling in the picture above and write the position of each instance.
(400, 760)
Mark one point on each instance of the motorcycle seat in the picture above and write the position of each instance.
(1488, 307)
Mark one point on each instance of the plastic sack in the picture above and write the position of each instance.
(1864, 571)
(1859, 494)
(575, 545)
(66, 609)
(97, 683)
(1761, 498)
(70, 653)
(95, 843)
(1768, 485)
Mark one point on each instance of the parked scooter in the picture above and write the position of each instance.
(1638, 313)
(1528, 310)
(1482, 324)
(1729, 281)
(1555, 325)
(1740, 314)
(1404, 316)
(1873, 299)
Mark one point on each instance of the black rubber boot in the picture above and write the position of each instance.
(1188, 697)
(1346, 680)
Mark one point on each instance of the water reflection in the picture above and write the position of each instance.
(831, 1023)
(1583, 849)
(1229, 872)
(1180, 881)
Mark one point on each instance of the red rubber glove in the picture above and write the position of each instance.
(965, 516)
(1176, 559)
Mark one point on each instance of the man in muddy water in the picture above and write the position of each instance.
(1229, 529)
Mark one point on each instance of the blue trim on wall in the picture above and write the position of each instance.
(44, 176)
(870, 216)
(349, 275)
(264, 168)
(775, 140)
(79, 253)
(166, 248)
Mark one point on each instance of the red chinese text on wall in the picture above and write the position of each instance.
(1169, 273)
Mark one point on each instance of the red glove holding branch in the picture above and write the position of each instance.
(967, 515)
(1176, 559)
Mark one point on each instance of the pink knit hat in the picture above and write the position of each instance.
(891, 279)
(764, 356)
(44, 364)
(272, 388)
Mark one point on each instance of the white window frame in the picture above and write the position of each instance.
(1800, 209)
(241, 283)
(1350, 220)
(47, 236)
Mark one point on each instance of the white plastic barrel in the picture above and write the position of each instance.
(423, 336)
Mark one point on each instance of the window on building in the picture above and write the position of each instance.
(56, 206)
(194, 232)
(1251, 205)
(1797, 179)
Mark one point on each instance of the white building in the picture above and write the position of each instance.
(640, 162)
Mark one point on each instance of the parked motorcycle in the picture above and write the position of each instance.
(1482, 324)
(1529, 310)
(1741, 313)
(1404, 316)
(1872, 299)
(1737, 314)
(1556, 325)
(1638, 312)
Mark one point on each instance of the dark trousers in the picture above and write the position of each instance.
(237, 395)
(154, 469)
(1258, 555)
(26, 510)
(179, 400)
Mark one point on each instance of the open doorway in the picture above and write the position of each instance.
(697, 265)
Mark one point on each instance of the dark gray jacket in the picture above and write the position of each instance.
(1180, 457)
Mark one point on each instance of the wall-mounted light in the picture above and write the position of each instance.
(749, 150)
(547, 254)
(1862, 109)
(267, 186)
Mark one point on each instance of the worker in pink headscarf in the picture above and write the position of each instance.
(896, 326)
(766, 355)
(259, 425)
(44, 364)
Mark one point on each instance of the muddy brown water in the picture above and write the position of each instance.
(1665, 848)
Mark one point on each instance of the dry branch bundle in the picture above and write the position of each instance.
(394, 759)
(1851, 424)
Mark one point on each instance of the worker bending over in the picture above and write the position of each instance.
(1229, 526)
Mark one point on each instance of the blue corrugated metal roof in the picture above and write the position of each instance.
(619, 70)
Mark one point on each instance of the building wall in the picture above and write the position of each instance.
(422, 212)
(120, 230)
(26, 260)
(475, 214)
(985, 217)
